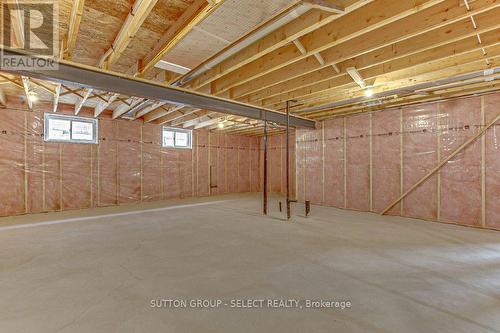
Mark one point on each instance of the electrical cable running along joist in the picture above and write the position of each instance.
(103, 80)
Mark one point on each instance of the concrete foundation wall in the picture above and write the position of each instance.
(364, 162)
(128, 165)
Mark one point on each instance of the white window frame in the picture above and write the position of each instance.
(51, 116)
(177, 130)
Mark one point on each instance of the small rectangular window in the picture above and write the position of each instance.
(62, 128)
(177, 138)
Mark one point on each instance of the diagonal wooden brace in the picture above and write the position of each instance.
(441, 164)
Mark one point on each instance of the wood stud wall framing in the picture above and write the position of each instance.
(405, 189)
(242, 149)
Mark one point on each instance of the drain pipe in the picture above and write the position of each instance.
(265, 168)
(288, 201)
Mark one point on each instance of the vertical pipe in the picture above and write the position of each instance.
(483, 166)
(265, 168)
(26, 170)
(288, 213)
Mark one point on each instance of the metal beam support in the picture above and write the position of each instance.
(265, 168)
(89, 77)
(288, 208)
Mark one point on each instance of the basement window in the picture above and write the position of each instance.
(177, 138)
(62, 128)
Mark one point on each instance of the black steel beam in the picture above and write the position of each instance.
(91, 77)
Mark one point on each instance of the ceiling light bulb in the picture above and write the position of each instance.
(221, 125)
(369, 92)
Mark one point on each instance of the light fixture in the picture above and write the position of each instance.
(220, 125)
(368, 92)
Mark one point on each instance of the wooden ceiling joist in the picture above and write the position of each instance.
(432, 79)
(476, 89)
(196, 121)
(12, 81)
(345, 51)
(453, 39)
(209, 122)
(328, 5)
(134, 102)
(306, 23)
(351, 25)
(70, 91)
(195, 14)
(43, 85)
(175, 116)
(17, 24)
(149, 109)
(442, 68)
(405, 36)
(190, 115)
(73, 28)
(161, 112)
(135, 19)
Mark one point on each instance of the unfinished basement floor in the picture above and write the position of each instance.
(61, 273)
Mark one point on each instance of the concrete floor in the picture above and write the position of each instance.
(100, 274)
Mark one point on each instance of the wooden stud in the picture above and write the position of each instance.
(483, 165)
(442, 163)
